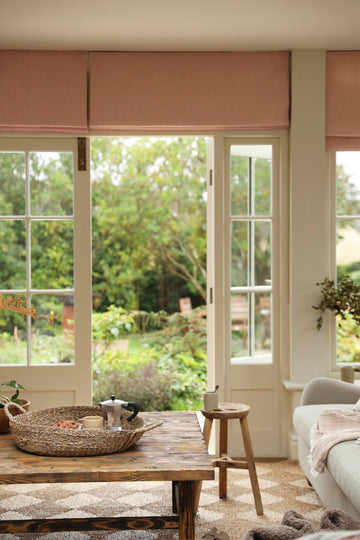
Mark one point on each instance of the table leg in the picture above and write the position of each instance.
(187, 510)
(175, 497)
(223, 451)
(206, 434)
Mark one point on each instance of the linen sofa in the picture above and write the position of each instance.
(338, 486)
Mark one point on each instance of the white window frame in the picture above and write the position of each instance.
(335, 366)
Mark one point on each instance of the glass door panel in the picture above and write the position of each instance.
(240, 318)
(36, 256)
(251, 248)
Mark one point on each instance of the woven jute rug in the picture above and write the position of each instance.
(282, 484)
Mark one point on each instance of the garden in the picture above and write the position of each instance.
(155, 359)
(148, 252)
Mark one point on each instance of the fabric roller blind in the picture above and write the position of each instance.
(246, 90)
(343, 100)
(43, 91)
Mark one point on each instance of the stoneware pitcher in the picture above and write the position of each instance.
(113, 412)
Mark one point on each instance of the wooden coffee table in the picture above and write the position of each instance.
(175, 452)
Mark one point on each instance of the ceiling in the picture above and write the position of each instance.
(180, 25)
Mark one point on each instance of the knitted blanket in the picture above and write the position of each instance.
(334, 426)
(295, 525)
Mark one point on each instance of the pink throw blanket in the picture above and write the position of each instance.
(334, 426)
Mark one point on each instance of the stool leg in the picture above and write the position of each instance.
(223, 450)
(251, 466)
(206, 433)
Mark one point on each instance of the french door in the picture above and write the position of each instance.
(245, 283)
(45, 269)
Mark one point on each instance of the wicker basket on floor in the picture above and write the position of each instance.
(36, 432)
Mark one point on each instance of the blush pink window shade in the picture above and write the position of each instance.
(189, 90)
(43, 91)
(343, 101)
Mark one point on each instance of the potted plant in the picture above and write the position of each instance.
(343, 299)
(4, 421)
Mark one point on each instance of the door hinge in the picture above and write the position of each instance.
(211, 295)
(81, 153)
(210, 177)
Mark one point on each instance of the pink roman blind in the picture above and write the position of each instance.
(343, 101)
(43, 91)
(189, 90)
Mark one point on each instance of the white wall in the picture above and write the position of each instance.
(309, 216)
(310, 232)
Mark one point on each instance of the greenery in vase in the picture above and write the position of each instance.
(342, 298)
(14, 398)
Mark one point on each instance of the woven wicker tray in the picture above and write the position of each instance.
(36, 432)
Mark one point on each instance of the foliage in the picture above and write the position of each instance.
(116, 323)
(183, 333)
(14, 397)
(169, 372)
(50, 193)
(153, 188)
(342, 299)
(241, 206)
(52, 349)
(347, 194)
(183, 346)
(149, 221)
(348, 342)
(352, 269)
(132, 379)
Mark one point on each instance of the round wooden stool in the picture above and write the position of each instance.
(225, 412)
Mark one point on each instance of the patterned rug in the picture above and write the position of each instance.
(282, 485)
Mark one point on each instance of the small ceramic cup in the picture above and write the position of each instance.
(211, 401)
(92, 422)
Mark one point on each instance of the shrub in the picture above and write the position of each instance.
(110, 325)
(183, 346)
(168, 372)
(133, 379)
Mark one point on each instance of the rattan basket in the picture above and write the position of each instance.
(36, 432)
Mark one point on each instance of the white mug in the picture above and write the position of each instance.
(211, 401)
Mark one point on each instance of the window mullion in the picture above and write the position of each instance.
(28, 253)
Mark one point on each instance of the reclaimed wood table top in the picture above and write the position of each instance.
(175, 451)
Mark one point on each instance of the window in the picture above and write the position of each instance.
(251, 248)
(36, 256)
(348, 244)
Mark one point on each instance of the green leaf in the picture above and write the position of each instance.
(13, 384)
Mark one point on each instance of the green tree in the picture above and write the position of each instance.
(347, 194)
(149, 218)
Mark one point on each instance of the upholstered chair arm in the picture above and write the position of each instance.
(326, 390)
